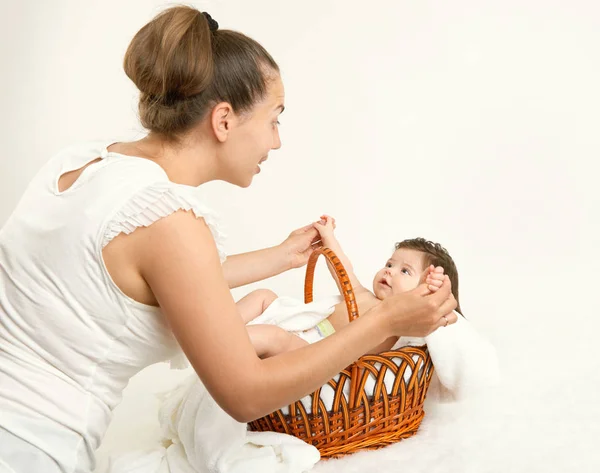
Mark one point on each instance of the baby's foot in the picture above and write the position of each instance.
(435, 278)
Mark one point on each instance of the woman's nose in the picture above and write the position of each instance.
(276, 140)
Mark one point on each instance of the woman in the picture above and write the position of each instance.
(111, 262)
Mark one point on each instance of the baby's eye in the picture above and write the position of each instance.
(388, 265)
(405, 271)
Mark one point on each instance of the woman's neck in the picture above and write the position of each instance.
(187, 163)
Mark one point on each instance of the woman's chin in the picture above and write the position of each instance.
(240, 181)
(248, 181)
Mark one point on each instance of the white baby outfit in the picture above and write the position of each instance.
(69, 338)
(304, 320)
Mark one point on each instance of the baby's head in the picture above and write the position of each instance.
(404, 270)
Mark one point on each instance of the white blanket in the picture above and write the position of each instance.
(465, 362)
(200, 437)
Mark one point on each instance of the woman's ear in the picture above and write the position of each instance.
(222, 119)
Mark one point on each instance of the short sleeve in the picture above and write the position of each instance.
(157, 201)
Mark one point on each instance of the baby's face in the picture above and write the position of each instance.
(401, 273)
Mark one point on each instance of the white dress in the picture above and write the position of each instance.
(70, 339)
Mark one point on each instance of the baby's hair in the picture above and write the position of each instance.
(437, 255)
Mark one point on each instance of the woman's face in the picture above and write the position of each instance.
(253, 136)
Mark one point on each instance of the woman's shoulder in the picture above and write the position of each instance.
(129, 191)
(159, 199)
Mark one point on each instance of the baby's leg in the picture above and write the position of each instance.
(255, 303)
(270, 340)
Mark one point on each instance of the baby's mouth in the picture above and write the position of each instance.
(384, 282)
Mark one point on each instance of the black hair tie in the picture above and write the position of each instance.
(212, 24)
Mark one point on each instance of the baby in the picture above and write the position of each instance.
(413, 262)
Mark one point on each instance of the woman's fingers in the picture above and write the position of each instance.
(422, 289)
(303, 229)
(447, 309)
(419, 312)
(447, 319)
(445, 303)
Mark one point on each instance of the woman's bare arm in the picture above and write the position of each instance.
(179, 261)
(246, 268)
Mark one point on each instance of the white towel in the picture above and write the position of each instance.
(465, 362)
(199, 437)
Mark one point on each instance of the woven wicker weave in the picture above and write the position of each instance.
(360, 418)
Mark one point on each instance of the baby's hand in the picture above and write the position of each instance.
(434, 278)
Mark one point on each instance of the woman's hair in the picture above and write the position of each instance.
(183, 65)
(437, 255)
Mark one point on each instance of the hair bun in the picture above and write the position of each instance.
(171, 57)
(212, 24)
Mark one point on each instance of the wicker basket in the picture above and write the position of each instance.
(359, 418)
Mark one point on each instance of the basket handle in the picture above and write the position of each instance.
(342, 276)
(349, 298)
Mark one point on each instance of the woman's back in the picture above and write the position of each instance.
(69, 338)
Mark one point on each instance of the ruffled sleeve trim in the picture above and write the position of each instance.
(157, 201)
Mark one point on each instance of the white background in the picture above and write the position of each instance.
(472, 123)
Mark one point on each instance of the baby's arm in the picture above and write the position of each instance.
(255, 303)
(325, 227)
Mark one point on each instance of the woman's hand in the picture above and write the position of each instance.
(299, 245)
(419, 312)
